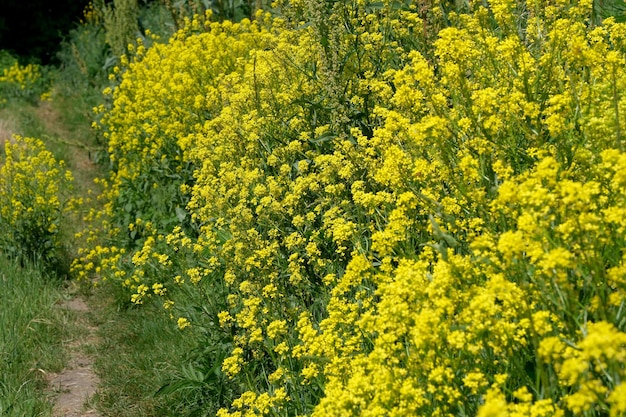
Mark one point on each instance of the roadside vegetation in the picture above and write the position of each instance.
(333, 208)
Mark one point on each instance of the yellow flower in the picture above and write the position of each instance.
(183, 323)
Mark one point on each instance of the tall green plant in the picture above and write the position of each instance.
(603, 9)
(234, 10)
(120, 22)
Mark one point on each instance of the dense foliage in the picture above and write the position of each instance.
(378, 208)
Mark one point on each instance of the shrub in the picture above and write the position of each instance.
(34, 191)
(28, 82)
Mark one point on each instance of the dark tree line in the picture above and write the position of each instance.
(33, 29)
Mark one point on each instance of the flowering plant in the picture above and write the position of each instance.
(34, 190)
(364, 224)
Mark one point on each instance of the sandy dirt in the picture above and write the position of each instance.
(75, 385)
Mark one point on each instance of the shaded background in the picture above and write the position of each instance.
(33, 29)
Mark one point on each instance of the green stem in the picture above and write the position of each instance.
(616, 108)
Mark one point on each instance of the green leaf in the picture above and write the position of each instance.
(181, 214)
(324, 137)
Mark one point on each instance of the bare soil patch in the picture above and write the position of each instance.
(76, 385)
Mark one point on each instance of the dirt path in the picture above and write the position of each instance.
(78, 382)
(79, 161)
(73, 388)
(76, 385)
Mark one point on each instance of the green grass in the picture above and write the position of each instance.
(141, 351)
(32, 330)
(29, 120)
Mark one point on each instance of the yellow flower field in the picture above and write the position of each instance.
(379, 209)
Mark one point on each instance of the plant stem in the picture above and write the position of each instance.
(616, 107)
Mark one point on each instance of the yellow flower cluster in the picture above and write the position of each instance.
(34, 189)
(91, 14)
(22, 81)
(515, 305)
(23, 76)
(377, 226)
